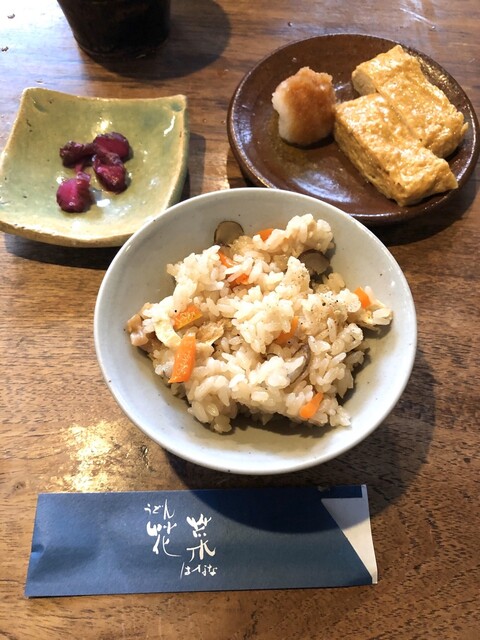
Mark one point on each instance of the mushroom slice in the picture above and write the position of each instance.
(138, 335)
(210, 332)
(227, 232)
(303, 357)
(315, 261)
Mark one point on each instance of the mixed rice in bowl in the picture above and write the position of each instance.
(246, 357)
(249, 328)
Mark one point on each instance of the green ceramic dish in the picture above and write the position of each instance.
(31, 168)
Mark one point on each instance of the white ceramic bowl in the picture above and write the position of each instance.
(137, 274)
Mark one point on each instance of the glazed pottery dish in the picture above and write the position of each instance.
(31, 168)
(138, 274)
(322, 170)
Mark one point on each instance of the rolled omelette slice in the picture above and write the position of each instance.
(431, 117)
(381, 146)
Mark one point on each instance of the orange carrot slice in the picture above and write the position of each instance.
(241, 279)
(186, 317)
(285, 336)
(228, 262)
(265, 234)
(363, 297)
(184, 359)
(310, 408)
(225, 260)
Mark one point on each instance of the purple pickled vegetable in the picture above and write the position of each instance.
(74, 195)
(74, 153)
(112, 143)
(110, 170)
(106, 153)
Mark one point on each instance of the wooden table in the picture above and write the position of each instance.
(61, 430)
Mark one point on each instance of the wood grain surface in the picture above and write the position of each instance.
(61, 430)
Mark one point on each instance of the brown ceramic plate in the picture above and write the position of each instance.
(322, 170)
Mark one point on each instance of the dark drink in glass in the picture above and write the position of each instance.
(117, 28)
